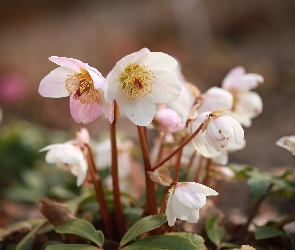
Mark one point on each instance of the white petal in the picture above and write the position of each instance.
(194, 216)
(166, 89)
(75, 64)
(249, 103)
(190, 195)
(202, 146)
(222, 158)
(69, 154)
(287, 142)
(51, 146)
(216, 98)
(112, 86)
(136, 57)
(250, 81)
(179, 210)
(140, 112)
(238, 134)
(82, 172)
(158, 61)
(53, 85)
(50, 156)
(208, 191)
(170, 216)
(233, 77)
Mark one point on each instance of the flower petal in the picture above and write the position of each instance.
(84, 113)
(179, 210)
(194, 216)
(69, 154)
(232, 78)
(53, 85)
(112, 86)
(159, 61)
(98, 79)
(75, 64)
(190, 195)
(82, 172)
(250, 81)
(140, 112)
(135, 57)
(208, 191)
(166, 88)
(170, 216)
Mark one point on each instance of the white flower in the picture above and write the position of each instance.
(68, 157)
(84, 85)
(139, 81)
(215, 98)
(185, 200)
(217, 131)
(247, 104)
(287, 142)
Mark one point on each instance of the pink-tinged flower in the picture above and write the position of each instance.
(217, 131)
(247, 104)
(68, 157)
(167, 120)
(215, 98)
(139, 81)
(84, 84)
(287, 142)
(184, 201)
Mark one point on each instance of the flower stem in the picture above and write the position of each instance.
(99, 193)
(150, 185)
(178, 149)
(115, 177)
(290, 218)
(197, 176)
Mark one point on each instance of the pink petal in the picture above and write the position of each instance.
(233, 78)
(84, 113)
(75, 64)
(53, 85)
(98, 79)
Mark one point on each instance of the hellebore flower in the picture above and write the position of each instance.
(139, 81)
(68, 157)
(247, 104)
(217, 131)
(167, 120)
(287, 142)
(84, 85)
(184, 201)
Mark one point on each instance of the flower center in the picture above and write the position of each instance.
(136, 81)
(82, 86)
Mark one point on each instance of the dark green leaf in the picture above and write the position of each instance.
(213, 231)
(258, 183)
(284, 184)
(162, 242)
(265, 232)
(229, 245)
(83, 229)
(70, 247)
(144, 225)
(197, 240)
(240, 170)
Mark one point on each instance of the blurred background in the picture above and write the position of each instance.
(208, 38)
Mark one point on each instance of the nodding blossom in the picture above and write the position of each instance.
(217, 131)
(84, 84)
(287, 142)
(68, 157)
(167, 120)
(247, 104)
(184, 201)
(139, 81)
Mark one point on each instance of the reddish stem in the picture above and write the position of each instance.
(99, 193)
(197, 177)
(115, 177)
(178, 149)
(177, 163)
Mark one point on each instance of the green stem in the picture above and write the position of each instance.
(179, 148)
(115, 177)
(99, 193)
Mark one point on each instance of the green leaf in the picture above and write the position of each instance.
(27, 240)
(197, 240)
(265, 232)
(258, 183)
(83, 229)
(213, 231)
(240, 170)
(162, 242)
(144, 225)
(71, 247)
(284, 184)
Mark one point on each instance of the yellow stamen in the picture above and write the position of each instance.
(136, 81)
(82, 86)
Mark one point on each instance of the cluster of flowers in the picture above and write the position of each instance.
(150, 90)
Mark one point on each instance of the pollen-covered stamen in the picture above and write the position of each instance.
(82, 87)
(136, 81)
